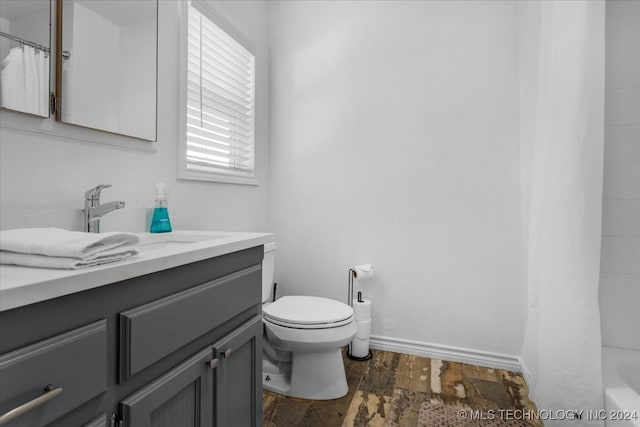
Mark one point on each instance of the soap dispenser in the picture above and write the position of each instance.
(160, 222)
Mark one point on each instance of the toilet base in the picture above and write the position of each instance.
(314, 375)
(277, 383)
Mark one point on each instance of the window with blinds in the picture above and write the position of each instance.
(220, 103)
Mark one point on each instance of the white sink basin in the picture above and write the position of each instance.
(156, 241)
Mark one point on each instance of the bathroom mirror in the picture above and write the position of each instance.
(25, 47)
(106, 65)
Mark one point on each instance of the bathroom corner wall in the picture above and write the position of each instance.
(43, 177)
(620, 264)
(529, 16)
(395, 142)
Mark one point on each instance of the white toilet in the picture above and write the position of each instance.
(303, 340)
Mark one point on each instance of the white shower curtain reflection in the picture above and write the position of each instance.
(43, 82)
(561, 352)
(24, 81)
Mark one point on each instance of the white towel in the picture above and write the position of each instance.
(42, 261)
(57, 248)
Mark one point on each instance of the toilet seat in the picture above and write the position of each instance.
(306, 312)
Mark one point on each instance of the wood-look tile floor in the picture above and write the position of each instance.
(388, 389)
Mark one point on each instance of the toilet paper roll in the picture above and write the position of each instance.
(362, 310)
(363, 329)
(360, 347)
(362, 316)
(364, 272)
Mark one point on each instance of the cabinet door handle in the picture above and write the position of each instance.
(213, 364)
(227, 354)
(49, 393)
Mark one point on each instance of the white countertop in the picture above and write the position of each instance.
(21, 286)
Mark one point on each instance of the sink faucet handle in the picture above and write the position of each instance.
(94, 193)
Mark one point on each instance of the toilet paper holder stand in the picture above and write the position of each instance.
(352, 275)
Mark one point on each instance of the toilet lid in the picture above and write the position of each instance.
(305, 310)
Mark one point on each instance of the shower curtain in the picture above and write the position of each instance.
(561, 351)
(24, 82)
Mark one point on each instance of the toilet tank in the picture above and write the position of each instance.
(268, 264)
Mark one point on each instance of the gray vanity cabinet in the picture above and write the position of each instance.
(179, 347)
(181, 397)
(238, 394)
(215, 387)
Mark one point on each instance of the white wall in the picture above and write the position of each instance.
(32, 26)
(529, 20)
(529, 15)
(43, 176)
(395, 142)
(620, 266)
(5, 25)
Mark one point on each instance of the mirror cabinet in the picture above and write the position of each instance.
(106, 67)
(103, 63)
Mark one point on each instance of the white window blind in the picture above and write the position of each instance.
(220, 104)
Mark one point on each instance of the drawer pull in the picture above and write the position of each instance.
(49, 394)
(213, 364)
(227, 354)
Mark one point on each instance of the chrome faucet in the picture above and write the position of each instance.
(93, 210)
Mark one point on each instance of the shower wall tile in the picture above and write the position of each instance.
(621, 217)
(622, 107)
(620, 262)
(620, 255)
(621, 69)
(620, 329)
(622, 143)
(621, 180)
(622, 7)
(623, 32)
(620, 292)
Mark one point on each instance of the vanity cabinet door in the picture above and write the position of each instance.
(238, 377)
(180, 398)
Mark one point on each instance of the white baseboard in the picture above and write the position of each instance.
(444, 352)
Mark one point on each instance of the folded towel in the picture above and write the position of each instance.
(43, 261)
(63, 249)
(57, 242)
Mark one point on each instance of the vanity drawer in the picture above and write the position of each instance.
(71, 366)
(152, 331)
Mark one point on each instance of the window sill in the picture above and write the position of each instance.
(219, 178)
